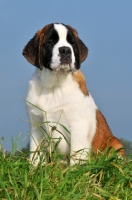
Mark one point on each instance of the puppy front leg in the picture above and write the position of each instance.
(35, 145)
(80, 144)
(36, 138)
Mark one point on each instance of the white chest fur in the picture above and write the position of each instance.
(62, 101)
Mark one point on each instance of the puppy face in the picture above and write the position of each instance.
(57, 47)
(65, 54)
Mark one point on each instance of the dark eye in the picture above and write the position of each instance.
(71, 39)
(72, 42)
(53, 39)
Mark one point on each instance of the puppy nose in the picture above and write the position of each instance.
(65, 51)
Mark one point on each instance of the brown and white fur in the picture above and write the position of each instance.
(59, 90)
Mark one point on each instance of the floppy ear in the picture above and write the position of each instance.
(83, 50)
(31, 51)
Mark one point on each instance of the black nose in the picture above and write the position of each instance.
(65, 51)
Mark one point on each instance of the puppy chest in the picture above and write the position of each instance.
(59, 103)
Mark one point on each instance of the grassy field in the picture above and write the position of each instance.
(102, 177)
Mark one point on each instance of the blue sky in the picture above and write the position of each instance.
(106, 29)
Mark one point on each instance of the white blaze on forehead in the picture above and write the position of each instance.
(61, 30)
(56, 58)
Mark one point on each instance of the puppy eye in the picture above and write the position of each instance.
(71, 40)
(51, 41)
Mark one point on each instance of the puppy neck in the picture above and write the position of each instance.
(51, 79)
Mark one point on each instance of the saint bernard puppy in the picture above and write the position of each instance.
(58, 100)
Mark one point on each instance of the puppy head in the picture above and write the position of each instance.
(57, 47)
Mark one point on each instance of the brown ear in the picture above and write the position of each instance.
(83, 50)
(31, 50)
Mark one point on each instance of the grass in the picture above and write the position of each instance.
(102, 177)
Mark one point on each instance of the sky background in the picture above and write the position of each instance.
(106, 29)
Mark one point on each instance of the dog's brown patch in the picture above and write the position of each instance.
(103, 137)
(75, 33)
(79, 78)
(83, 50)
(32, 50)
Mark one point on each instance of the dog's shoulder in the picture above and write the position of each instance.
(80, 79)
